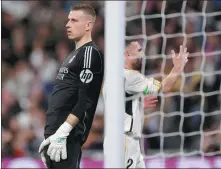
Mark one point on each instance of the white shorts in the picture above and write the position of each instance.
(133, 157)
(132, 153)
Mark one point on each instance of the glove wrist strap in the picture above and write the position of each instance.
(66, 127)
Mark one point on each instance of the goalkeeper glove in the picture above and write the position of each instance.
(57, 148)
(44, 158)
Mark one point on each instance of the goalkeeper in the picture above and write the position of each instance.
(135, 84)
(75, 95)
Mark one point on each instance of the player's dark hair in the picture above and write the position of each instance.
(88, 9)
(128, 42)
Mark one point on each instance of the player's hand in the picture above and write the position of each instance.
(180, 60)
(150, 101)
(57, 148)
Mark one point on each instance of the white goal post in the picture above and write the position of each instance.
(114, 90)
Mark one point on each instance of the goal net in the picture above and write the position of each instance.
(185, 129)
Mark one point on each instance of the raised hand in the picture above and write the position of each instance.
(180, 60)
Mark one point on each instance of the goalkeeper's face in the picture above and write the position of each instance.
(135, 55)
(78, 25)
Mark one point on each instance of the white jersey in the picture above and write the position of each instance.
(135, 84)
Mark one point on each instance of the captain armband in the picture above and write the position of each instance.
(153, 87)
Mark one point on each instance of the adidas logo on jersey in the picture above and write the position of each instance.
(71, 59)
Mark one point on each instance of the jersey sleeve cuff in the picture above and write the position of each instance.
(77, 113)
(146, 91)
(153, 87)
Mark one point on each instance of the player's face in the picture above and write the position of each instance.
(136, 55)
(77, 25)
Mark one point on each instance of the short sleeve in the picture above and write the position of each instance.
(135, 82)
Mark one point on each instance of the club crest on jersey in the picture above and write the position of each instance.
(86, 76)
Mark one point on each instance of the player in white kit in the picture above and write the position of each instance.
(135, 84)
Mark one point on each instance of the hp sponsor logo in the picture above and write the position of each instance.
(86, 76)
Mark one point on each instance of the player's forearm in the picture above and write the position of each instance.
(72, 120)
(169, 81)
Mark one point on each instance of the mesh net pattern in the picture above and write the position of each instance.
(187, 120)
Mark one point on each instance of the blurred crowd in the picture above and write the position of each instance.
(34, 44)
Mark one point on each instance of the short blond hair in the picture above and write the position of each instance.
(86, 8)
